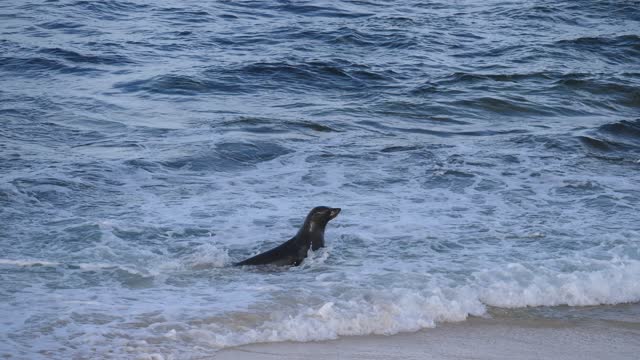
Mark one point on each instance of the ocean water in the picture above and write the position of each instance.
(486, 155)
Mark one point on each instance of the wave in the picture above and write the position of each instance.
(390, 310)
(33, 263)
(607, 92)
(53, 25)
(628, 129)
(610, 92)
(520, 106)
(631, 41)
(30, 65)
(196, 257)
(54, 190)
(620, 49)
(613, 284)
(179, 85)
(108, 10)
(440, 133)
(206, 256)
(618, 139)
(249, 78)
(467, 77)
(187, 16)
(229, 156)
(537, 13)
(272, 126)
(322, 11)
(314, 74)
(76, 57)
(352, 37)
(28, 263)
(602, 144)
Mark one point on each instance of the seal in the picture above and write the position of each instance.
(292, 252)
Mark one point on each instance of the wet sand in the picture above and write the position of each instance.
(473, 339)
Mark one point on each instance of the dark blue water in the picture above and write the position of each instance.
(484, 154)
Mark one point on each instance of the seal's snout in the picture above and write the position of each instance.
(334, 212)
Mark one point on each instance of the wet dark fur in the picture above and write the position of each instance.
(292, 252)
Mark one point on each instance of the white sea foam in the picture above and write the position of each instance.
(73, 267)
(518, 286)
(381, 312)
(392, 310)
(314, 259)
(398, 258)
(26, 262)
(206, 256)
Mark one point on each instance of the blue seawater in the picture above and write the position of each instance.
(486, 155)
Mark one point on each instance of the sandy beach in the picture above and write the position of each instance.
(476, 338)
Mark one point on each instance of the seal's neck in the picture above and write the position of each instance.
(312, 227)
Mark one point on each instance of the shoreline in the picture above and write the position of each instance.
(475, 338)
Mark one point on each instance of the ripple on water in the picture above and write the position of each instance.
(178, 85)
(75, 57)
(229, 156)
(260, 125)
(614, 141)
(39, 66)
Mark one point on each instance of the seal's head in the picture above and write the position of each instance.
(321, 215)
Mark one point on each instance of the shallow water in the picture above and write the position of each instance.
(485, 155)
